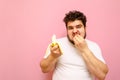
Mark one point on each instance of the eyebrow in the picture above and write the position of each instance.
(76, 25)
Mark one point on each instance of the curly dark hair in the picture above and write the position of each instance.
(75, 15)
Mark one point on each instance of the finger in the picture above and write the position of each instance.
(53, 48)
(77, 38)
(76, 41)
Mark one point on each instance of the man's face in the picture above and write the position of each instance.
(75, 28)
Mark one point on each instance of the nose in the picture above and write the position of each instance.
(75, 30)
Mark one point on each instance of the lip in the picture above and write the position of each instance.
(74, 34)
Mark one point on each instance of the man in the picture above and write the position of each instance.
(80, 58)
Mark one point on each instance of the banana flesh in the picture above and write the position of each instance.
(54, 42)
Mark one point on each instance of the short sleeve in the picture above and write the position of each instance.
(97, 52)
(47, 52)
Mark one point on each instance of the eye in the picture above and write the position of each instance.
(78, 26)
(70, 27)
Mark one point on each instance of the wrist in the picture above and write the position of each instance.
(52, 57)
(84, 50)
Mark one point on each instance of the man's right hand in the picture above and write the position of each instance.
(55, 51)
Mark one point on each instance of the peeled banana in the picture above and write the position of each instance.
(54, 42)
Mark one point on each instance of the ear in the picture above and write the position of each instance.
(85, 33)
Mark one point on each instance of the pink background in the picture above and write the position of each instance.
(26, 27)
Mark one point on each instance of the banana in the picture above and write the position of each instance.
(54, 42)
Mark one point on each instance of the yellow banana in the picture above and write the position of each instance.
(54, 42)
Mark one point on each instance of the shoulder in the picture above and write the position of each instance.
(64, 42)
(89, 42)
(63, 39)
(95, 48)
(92, 44)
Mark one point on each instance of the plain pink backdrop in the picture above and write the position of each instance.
(26, 28)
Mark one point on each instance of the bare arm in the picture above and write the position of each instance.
(94, 65)
(49, 63)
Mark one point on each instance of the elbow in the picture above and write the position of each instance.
(103, 75)
(105, 71)
(44, 67)
(45, 71)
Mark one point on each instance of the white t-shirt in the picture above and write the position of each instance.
(70, 65)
